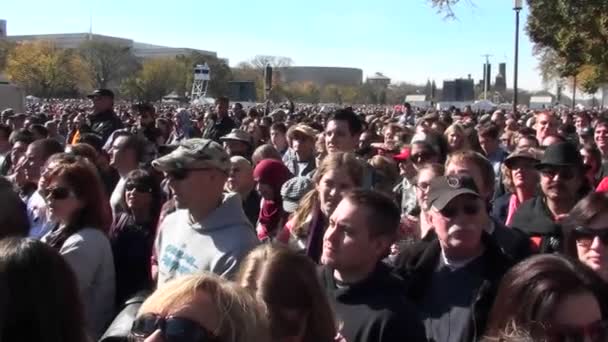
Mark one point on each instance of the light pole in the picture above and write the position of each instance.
(517, 5)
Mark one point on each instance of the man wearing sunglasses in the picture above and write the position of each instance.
(562, 181)
(454, 277)
(209, 230)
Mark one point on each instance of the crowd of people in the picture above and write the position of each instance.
(304, 223)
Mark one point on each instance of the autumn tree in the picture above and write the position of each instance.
(44, 70)
(108, 63)
(6, 47)
(157, 78)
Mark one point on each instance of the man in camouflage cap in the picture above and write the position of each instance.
(209, 230)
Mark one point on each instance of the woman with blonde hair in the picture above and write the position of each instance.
(298, 307)
(456, 137)
(338, 173)
(201, 307)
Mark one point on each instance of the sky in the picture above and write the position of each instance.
(407, 40)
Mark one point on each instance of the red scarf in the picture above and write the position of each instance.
(273, 173)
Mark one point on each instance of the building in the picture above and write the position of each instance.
(379, 80)
(458, 90)
(73, 40)
(487, 75)
(321, 76)
(500, 84)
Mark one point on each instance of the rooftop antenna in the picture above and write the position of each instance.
(485, 76)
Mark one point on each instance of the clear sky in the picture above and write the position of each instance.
(404, 39)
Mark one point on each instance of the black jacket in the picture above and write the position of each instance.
(500, 208)
(534, 218)
(417, 264)
(375, 309)
(215, 129)
(105, 123)
(512, 241)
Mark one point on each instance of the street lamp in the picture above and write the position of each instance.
(517, 5)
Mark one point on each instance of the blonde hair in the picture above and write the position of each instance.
(287, 282)
(353, 167)
(242, 318)
(458, 129)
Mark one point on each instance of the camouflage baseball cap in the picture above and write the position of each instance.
(193, 154)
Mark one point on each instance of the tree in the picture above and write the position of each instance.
(44, 70)
(445, 7)
(253, 70)
(108, 63)
(220, 74)
(575, 33)
(157, 78)
(6, 47)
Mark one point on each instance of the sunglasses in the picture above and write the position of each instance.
(138, 187)
(421, 157)
(468, 209)
(57, 193)
(183, 173)
(594, 332)
(565, 173)
(585, 236)
(173, 329)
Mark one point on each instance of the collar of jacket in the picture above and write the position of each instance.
(102, 116)
(380, 281)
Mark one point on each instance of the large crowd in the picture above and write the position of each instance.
(301, 223)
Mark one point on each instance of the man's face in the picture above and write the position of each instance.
(34, 161)
(459, 224)
(560, 182)
(221, 107)
(498, 119)
(601, 138)
(338, 137)
(421, 154)
(102, 103)
(120, 155)
(303, 145)
(581, 122)
(526, 143)
(18, 151)
(365, 140)
(459, 168)
(236, 148)
(347, 243)
(278, 139)
(488, 144)
(240, 178)
(187, 191)
(145, 119)
(545, 125)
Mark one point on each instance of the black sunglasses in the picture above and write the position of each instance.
(183, 173)
(564, 172)
(422, 157)
(468, 209)
(57, 193)
(584, 236)
(138, 187)
(174, 329)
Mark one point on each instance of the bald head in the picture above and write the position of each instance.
(240, 178)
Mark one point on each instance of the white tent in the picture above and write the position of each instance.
(483, 105)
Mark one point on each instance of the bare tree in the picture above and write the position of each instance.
(108, 63)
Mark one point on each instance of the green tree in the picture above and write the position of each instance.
(6, 47)
(44, 70)
(108, 63)
(220, 74)
(157, 78)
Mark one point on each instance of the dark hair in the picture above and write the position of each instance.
(384, 214)
(134, 142)
(222, 100)
(21, 135)
(530, 292)
(53, 313)
(491, 131)
(585, 211)
(286, 281)
(142, 108)
(83, 150)
(602, 121)
(354, 122)
(280, 127)
(7, 130)
(13, 212)
(41, 130)
(83, 179)
(594, 152)
(47, 146)
(559, 137)
(92, 139)
(144, 177)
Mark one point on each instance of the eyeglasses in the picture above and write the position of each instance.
(594, 332)
(424, 186)
(138, 187)
(174, 329)
(468, 209)
(183, 173)
(421, 157)
(565, 173)
(58, 193)
(584, 236)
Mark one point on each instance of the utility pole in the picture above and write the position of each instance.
(486, 77)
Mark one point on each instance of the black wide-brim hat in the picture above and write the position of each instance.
(561, 154)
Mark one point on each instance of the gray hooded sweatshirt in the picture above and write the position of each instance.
(217, 244)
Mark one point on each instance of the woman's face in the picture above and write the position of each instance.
(455, 140)
(575, 312)
(593, 252)
(265, 191)
(200, 310)
(138, 196)
(523, 173)
(422, 186)
(62, 202)
(331, 187)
